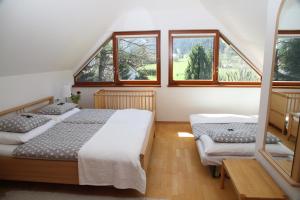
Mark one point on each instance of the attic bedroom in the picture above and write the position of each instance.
(136, 99)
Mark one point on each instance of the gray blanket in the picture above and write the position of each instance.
(64, 140)
(90, 116)
(231, 133)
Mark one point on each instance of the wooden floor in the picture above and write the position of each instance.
(175, 172)
(284, 139)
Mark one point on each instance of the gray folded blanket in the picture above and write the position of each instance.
(231, 133)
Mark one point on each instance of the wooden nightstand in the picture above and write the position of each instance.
(250, 180)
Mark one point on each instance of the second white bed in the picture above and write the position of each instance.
(212, 153)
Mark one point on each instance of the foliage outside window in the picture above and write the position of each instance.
(100, 68)
(192, 58)
(128, 58)
(233, 68)
(203, 57)
(287, 59)
(137, 57)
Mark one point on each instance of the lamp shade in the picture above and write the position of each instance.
(67, 91)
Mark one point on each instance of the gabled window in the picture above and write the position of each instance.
(99, 69)
(287, 59)
(204, 57)
(128, 58)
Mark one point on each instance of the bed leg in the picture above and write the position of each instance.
(215, 171)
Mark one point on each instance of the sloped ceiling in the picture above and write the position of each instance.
(51, 35)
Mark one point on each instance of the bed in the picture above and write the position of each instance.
(212, 153)
(68, 171)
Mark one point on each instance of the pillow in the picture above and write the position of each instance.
(22, 123)
(10, 138)
(56, 108)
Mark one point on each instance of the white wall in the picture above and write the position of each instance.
(290, 15)
(176, 104)
(271, 29)
(20, 89)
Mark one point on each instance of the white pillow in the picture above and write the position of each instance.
(20, 138)
(62, 117)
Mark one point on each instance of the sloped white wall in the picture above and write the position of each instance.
(20, 89)
(176, 104)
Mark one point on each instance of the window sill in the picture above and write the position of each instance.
(217, 85)
(114, 85)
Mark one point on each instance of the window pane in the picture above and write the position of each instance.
(137, 58)
(100, 68)
(287, 63)
(233, 68)
(193, 58)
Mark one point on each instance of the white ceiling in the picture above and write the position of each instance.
(51, 35)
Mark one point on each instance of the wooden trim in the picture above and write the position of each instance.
(283, 32)
(207, 83)
(114, 85)
(22, 108)
(158, 63)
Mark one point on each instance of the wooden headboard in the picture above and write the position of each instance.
(122, 99)
(31, 106)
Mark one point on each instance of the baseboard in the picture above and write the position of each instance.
(174, 122)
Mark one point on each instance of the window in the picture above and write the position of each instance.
(287, 59)
(204, 57)
(99, 68)
(138, 57)
(232, 67)
(128, 58)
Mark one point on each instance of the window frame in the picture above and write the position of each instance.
(214, 82)
(124, 83)
(285, 84)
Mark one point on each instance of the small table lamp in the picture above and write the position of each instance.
(67, 92)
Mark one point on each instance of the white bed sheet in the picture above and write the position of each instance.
(215, 160)
(112, 155)
(7, 149)
(222, 118)
(240, 149)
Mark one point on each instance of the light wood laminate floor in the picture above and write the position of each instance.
(175, 172)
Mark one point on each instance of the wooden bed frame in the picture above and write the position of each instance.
(65, 172)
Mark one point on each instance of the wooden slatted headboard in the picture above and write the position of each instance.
(28, 106)
(122, 99)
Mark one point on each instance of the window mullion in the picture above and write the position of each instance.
(216, 58)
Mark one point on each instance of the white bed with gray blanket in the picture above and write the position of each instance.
(224, 136)
(106, 144)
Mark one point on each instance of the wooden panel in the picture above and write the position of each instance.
(28, 106)
(251, 181)
(38, 170)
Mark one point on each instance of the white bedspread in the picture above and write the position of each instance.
(111, 156)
